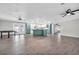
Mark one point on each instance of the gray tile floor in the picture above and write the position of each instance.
(38, 45)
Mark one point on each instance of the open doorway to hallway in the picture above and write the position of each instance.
(19, 28)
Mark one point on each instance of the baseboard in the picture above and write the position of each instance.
(75, 36)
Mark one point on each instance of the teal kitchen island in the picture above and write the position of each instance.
(40, 32)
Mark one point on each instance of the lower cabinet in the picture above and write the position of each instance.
(39, 32)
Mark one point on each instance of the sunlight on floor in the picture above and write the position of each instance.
(59, 37)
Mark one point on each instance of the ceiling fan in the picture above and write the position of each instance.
(69, 12)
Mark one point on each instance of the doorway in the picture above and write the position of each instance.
(19, 28)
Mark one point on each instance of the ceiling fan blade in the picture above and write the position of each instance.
(75, 10)
(72, 13)
(64, 15)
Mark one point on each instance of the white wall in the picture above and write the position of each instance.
(6, 25)
(70, 28)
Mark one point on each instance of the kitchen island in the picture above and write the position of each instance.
(40, 32)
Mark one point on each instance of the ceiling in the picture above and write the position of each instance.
(36, 12)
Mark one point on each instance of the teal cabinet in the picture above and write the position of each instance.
(45, 32)
(28, 28)
(40, 32)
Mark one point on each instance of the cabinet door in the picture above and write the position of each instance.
(38, 32)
